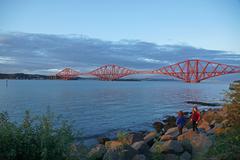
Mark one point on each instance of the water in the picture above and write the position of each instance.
(99, 107)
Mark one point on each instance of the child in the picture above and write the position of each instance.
(180, 121)
(195, 118)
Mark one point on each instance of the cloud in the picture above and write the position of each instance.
(47, 54)
(7, 60)
(150, 60)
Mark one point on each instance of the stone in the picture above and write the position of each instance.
(157, 147)
(171, 157)
(102, 140)
(172, 146)
(125, 152)
(219, 131)
(113, 145)
(141, 147)
(185, 156)
(139, 157)
(158, 126)
(172, 133)
(225, 123)
(97, 152)
(187, 146)
(149, 136)
(204, 125)
(166, 137)
(200, 142)
(170, 122)
(132, 137)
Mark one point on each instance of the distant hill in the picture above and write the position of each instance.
(24, 76)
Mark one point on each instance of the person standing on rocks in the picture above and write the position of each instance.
(181, 121)
(195, 118)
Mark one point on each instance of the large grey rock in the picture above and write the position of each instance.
(200, 142)
(139, 157)
(187, 146)
(97, 152)
(166, 137)
(172, 146)
(150, 136)
(185, 156)
(125, 152)
(172, 133)
(132, 137)
(141, 147)
(204, 125)
(102, 140)
(171, 157)
(157, 147)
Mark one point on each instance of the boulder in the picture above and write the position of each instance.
(97, 152)
(157, 147)
(113, 145)
(132, 137)
(139, 157)
(150, 136)
(172, 146)
(185, 156)
(211, 115)
(125, 152)
(187, 146)
(226, 123)
(166, 137)
(217, 129)
(200, 142)
(172, 133)
(140, 147)
(102, 140)
(171, 157)
(170, 122)
(204, 125)
(158, 126)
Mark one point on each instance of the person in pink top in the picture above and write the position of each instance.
(195, 118)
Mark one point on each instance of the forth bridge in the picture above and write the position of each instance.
(190, 71)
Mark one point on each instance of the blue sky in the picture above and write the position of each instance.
(209, 24)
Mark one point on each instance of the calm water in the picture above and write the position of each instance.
(98, 107)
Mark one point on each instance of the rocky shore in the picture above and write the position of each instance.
(164, 142)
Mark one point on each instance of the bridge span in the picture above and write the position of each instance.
(190, 71)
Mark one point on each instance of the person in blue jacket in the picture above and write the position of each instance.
(180, 122)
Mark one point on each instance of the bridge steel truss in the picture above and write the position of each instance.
(190, 71)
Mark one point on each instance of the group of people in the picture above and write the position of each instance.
(181, 120)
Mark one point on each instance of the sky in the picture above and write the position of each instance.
(45, 36)
(210, 24)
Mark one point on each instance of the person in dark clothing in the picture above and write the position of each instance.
(180, 122)
(195, 118)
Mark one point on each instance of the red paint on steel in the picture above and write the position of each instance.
(190, 71)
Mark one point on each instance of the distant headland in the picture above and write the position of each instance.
(24, 76)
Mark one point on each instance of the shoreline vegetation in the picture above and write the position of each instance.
(218, 138)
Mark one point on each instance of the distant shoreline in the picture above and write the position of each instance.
(23, 76)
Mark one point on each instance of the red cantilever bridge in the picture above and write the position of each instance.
(190, 71)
